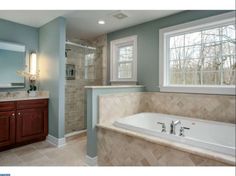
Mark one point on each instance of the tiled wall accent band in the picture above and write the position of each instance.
(117, 149)
(210, 107)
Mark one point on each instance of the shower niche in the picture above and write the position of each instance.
(70, 71)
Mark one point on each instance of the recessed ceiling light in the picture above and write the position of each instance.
(101, 22)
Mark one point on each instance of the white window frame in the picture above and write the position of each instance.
(114, 46)
(164, 34)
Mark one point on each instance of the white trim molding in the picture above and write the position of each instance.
(58, 142)
(91, 161)
(114, 46)
(196, 25)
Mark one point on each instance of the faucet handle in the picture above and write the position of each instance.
(181, 133)
(163, 126)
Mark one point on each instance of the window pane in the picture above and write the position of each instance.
(125, 70)
(176, 78)
(211, 35)
(204, 57)
(177, 53)
(228, 48)
(177, 41)
(126, 53)
(229, 77)
(192, 77)
(228, 32)
(229, 68)
(210, 64)
(192, 52)
(212, 50)
(193, 39)
(211, 77)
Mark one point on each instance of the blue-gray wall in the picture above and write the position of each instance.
(52, 37)
(18, 33)
(148, 43)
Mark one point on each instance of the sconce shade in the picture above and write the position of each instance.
(33, 64)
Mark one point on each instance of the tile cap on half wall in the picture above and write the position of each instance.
(118, 86)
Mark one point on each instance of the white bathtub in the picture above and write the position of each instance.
(211, 135)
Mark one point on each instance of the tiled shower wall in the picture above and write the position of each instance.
(75, 101)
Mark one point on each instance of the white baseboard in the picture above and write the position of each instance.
(91, 161)
(75, 133)
(58, 142)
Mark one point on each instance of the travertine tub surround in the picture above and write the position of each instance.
(22, 95)
(118, 147)
(210, 107)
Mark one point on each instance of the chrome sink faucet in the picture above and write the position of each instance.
(173, 125)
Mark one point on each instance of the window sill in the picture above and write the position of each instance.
(199, 89)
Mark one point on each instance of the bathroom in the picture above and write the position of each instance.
(117, 88)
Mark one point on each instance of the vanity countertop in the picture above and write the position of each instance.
(22, 95)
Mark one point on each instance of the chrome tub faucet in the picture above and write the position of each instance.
(173, 125)
(163, 126)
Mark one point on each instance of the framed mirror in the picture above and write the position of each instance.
(12, 59)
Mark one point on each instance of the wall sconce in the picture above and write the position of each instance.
(33, 66)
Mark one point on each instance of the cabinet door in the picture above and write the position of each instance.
(31, 124)
(7, 128)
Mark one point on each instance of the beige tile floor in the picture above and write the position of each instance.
(45, 154)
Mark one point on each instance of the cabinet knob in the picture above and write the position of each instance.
(13, 115)
(18, 113)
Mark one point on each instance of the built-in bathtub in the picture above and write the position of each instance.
(214, 136)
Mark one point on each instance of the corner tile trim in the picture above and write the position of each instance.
(91, 161)
(58, 142)
(75, 133)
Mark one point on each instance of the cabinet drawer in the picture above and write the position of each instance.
(7, 106)
(31, 104)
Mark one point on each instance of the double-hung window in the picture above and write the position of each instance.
(124, 60)
(199, 56)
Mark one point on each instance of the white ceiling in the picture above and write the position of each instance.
(82, 24)
(34, 18)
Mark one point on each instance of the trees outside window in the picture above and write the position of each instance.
(199, 56)
(205, 57)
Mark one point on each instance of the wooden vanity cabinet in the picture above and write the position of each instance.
(23, 122)
(7, 128)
